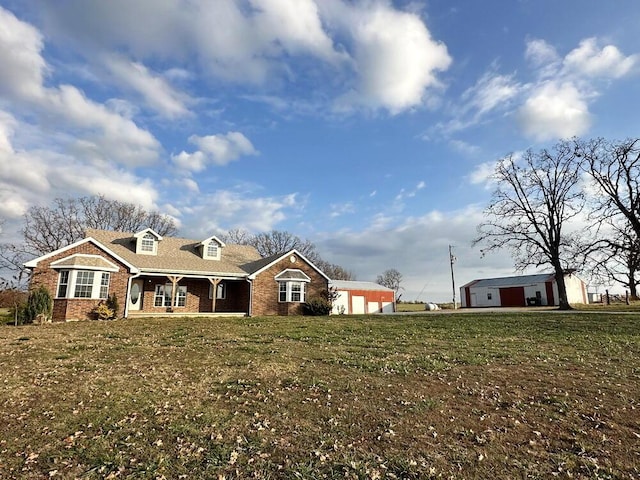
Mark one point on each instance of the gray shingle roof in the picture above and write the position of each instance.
(180, 255)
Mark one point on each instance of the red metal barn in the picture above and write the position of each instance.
(362, 297)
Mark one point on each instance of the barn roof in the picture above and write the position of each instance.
(517, 281)
(356, 285)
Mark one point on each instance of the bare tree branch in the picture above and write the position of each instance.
(535, 197)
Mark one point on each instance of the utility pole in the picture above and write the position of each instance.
(452, 260)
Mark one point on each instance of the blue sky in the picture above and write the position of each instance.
(368, 127)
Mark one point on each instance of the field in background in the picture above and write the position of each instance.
(532, 395)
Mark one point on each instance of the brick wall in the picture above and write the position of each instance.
(78, 308)
(265, 289)
(237, 298)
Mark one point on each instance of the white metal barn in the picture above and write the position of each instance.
(362, 297)
(521, 291)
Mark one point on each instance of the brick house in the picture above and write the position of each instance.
(154, 275)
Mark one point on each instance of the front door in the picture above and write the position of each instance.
(135, 295)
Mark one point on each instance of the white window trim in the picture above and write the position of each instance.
(72, 281)
(168, 300)
(205, 248)
(141, 242)
(289, 291)
(66, 284)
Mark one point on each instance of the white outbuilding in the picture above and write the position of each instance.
(521, 291)
(355, 297)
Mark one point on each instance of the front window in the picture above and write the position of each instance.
(162, 296)
(104, 285)
(221, 291)
(63, 283)
(84, 284)
(291, 292)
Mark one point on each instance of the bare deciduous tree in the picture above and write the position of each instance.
(48, 228)
(277, 242)
(615, 170)
(392, 279)
(616, 256)
(271, 243)
(333, 271)
(534, 199)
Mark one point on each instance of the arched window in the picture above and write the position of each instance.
(148, 243)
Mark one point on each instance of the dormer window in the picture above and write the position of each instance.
(147, 242)
(211, 248)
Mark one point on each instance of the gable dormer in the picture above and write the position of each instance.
(211, 248)
(147, 242)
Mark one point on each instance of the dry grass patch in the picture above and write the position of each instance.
(452, 396)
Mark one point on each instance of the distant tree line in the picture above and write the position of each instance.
(575, 206)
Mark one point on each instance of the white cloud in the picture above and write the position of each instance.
(116, 137)
(424, 265)
(492, 91)
(214, 149)
(464, 147)
(227, 209)
(23, 68)
(296, 26)
(482, 173)
(394, 55)
(540, 53)
(555, 104)
(29, 177)
(113, 136)
(592, 61)
(555, 110)
(380, 57)
(156, 91)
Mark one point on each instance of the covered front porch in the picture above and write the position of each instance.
(154, 294)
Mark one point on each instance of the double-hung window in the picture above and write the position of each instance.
(291, 291)
(292, 285)
(63, 284)
(104, 284)
(163, 296)
(84, 284)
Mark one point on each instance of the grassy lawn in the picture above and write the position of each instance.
(500, 396)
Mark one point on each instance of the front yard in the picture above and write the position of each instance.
(530, 395)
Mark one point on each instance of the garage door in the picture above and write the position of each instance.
(512, 297)
(357, 304)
